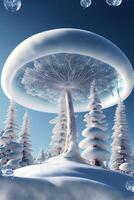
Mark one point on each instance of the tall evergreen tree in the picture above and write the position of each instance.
(96, 149)
(11, 149)
(58, 139)
(27, 158)
(41, 157)
(2, 150)
(121, 150)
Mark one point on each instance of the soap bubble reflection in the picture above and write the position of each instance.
(12, 5)
(7, 172)
(114, 2)
(85, 3)
(130, 185)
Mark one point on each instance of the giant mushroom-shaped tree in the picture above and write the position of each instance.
(65, 62)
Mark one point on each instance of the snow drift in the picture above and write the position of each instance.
(62, 179)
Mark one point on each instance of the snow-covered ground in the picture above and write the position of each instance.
(62, 179)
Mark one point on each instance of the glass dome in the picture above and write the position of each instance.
(39, 70)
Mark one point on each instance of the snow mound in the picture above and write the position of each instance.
(127, 167)
(64, 179)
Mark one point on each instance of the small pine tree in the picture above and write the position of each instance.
(11, 149)
(27, 158)
(41, 157)
(121, 150)
(95, 142)
(58, 139)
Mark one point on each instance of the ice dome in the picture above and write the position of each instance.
(39, 69)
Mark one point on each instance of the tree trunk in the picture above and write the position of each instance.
(71, 148)
(71, 125)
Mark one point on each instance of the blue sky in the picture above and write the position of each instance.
(36, 16)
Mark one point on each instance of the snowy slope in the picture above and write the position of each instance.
(63, 179)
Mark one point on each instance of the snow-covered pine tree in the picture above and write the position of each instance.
(58, 139)
(41, 157)
(96, 148)
(121, 149)
(127, 168)
(27, 158)
(2, 150)
(11, 148)
(0, 172)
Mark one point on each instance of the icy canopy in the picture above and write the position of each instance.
(49, 76)
(40, 69)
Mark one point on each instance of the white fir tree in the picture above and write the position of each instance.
(121, 149)
(41, 157)
(2, 149)
(11, 148)
(58, 139)
(25, 141)
(127, 168)
(96, 148)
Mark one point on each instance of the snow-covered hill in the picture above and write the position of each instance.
(62, 179)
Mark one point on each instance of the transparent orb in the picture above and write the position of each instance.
(12, 5)
(114, 2)
(130, 185)
(85, 3)
(7, 172)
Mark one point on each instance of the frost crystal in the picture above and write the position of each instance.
(49, 76)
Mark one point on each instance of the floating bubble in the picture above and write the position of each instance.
(7, 172)
(12, 5)
(85, 3)
(114, 2)
(130, 185)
